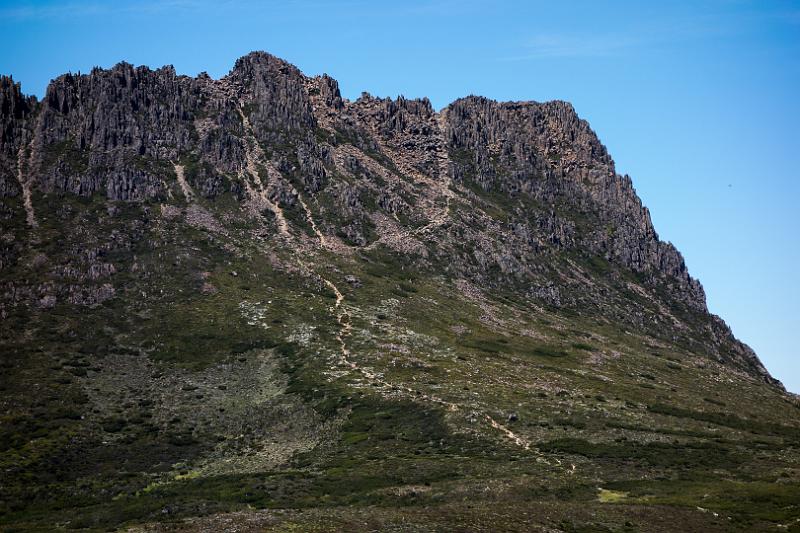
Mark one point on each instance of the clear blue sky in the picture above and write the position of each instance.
(698, 101)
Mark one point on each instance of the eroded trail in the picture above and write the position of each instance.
(258, 193)
(442, 188)
(187, 190)
(519, 441)
(442, 185)
(322, 241)
(25, 183)
(343, 319)
(522, 442)
(341, 312)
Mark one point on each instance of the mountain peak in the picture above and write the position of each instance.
(221, 294)
(259, 63)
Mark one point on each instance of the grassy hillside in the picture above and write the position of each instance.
(305, 389)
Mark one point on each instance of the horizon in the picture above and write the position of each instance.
(719, 178)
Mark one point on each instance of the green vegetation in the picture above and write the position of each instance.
(684, 455)
(791, 433)
(213, 380)
(65, 152)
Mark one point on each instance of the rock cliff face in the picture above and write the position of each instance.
(251, 294)
(489, 191)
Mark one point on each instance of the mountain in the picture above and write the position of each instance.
(251, 303)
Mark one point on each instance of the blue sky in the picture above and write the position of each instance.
(698, 101)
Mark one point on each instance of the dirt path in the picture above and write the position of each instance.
(253, 155)
(440, 184)
(443, 182)
(322, 241)
(187, 190)
(343, 318)
(341, 312)
(519, 441)
(339, 308)
(25, 183)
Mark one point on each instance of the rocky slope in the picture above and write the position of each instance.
(210, 284)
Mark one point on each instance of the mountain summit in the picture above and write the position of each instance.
(221, 295)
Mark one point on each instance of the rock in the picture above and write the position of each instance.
(208, 288)
(47, 302)
(502, 194)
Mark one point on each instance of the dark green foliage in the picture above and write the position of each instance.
(730, 420)
(548, 351)
(490, 346)
(582, 346)
(75, 159)
(689, 455)
(86, 441)
(746, 503)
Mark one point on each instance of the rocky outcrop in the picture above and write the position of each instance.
(546, 151)
(488, 190)
(15, 111)
(274, 95)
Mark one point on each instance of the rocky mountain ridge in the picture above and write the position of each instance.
(122, 133)
(250, 303)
